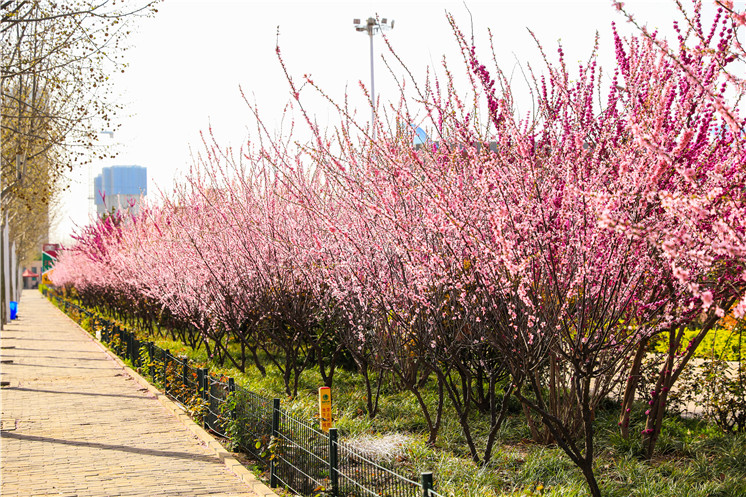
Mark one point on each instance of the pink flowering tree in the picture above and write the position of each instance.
(692, 168)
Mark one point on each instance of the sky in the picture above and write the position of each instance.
(189, 63)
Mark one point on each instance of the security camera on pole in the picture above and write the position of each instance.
(372, 26)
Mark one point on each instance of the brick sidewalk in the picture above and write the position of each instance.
(75, 424)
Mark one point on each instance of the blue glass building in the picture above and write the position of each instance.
(117, 185)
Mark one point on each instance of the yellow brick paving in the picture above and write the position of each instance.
(75, 424)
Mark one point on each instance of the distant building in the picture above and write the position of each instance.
(32, 274)
(120, 187)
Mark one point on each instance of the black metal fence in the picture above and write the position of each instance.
(299, 457)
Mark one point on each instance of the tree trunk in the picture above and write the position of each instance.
(590, 478)
(631, 388)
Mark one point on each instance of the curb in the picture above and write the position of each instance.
(228, 460)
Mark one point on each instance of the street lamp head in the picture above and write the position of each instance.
(385, 24)
(372, 25)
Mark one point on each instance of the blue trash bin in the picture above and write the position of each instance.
(13, 309)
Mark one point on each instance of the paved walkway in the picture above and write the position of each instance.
(75, 424)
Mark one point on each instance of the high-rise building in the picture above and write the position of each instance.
(120, 187)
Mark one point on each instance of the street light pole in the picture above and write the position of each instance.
(372, 26)
(372, 87)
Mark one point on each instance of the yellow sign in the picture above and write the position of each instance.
(325, 408)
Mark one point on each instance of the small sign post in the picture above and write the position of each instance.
(325, 408)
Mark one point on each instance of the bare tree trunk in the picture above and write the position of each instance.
(631, 387)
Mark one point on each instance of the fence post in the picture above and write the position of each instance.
(427, 484)
(201, 390)
(166, 355)
(205, 383)
(151, 359)
(135, 352)
(185, 372)
(275, 430)
(205, 386)
(200, 383)
(231, 390)
(128, 345)
(333, 462)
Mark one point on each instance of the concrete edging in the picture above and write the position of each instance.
(230, 462)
